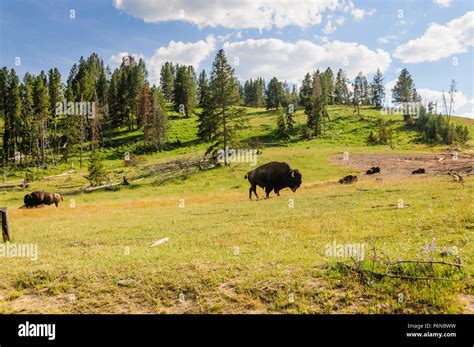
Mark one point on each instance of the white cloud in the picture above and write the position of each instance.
(462, 104)
(189, 53)
(116, 59)
(439, 41)
(386, 39)
(329, 28)
(291, 61)
(184, 53)
(243, 14)
(460, 100)
(359, 13)
(442, 3)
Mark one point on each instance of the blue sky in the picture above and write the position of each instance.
(433, 39)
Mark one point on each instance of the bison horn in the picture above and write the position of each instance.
(293, 173)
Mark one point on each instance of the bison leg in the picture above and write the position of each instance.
(277, 192)
(268, 190)
(255, 191)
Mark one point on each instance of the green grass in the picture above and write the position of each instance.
(227, 254)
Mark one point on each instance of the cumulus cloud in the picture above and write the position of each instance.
(386, 39)
(116, 59)
(359, 13)
(329, 28)
(460, 100)
(291, 61)
(238, 14)
(439, 41)
(442, 3)
(184, 53)
(463, 106)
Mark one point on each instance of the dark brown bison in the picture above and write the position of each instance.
(38, 198)
(373, 170)
(418, 171)
(273, 176)
(348, 179)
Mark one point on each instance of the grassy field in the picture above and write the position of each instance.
(226, 254)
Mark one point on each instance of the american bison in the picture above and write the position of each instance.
(38, 198)
(373, 170)
(348, 179)
(273, 176)
(418, 171)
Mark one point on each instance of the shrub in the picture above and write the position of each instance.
(97, 172)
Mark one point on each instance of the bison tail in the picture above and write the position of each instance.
(247, 175)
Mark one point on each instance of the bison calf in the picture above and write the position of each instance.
(273, 176)
(38, 198)
(348, 179)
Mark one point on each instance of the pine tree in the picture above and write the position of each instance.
(167, 80)
(203, 87)
(282, 129)
(96, 169)
(41, 109)
(403, 92)
(306, 91)
(184, 92)
(315, 110)
(360, 94)
(144, 112)
(328, 86)
(12, 113)
(215, 124)
(155, 123)
(55, 96)
(274, 94)
(28, 130)
(341, 91)
(377, 89)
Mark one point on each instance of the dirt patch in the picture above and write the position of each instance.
(468, 303)
(400, 166)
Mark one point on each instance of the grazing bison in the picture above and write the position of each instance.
(273, 176)
(418, 171)
(373, 170)
(348, 179)
(38, 198)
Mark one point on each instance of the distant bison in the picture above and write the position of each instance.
(273, 176)
(418, 171)
(348, 179)
(38, 198)
(373, 170)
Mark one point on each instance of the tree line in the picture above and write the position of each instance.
(44, 119)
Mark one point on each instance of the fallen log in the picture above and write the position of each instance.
(60, 175)
(14, 185)
(110, 186)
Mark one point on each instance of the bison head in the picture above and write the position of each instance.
(27, 199)
(295, 180)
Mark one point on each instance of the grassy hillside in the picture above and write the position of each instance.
(227, 254)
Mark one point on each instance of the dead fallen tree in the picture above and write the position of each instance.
(162, 171)
(59, 175)
(380, 266)
(180, 167)
(22, 184)
(110, 186)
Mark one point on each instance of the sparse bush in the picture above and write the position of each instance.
(382, 137)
